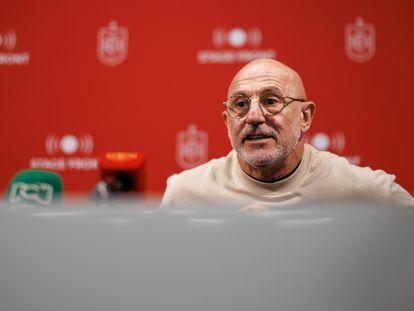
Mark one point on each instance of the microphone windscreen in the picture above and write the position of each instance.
(35, 188)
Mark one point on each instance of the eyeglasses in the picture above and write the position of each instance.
(237, 106)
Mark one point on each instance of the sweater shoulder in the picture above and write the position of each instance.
(203, 171)
(196, 183)
(339, 173)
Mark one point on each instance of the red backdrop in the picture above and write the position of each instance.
(73, 87)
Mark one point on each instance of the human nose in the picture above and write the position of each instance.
(255, 114)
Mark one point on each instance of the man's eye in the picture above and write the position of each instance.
(241, 104)
(271, 101)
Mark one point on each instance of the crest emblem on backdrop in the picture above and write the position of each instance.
(360, 41)
(191, 147)
(112, 47)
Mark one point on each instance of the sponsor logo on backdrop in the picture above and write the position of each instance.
(235, 45)
(112, 48)
(8, 42)
(334, 143)
(69, 144)
(191, 147)
(360, 41)
(67, 152)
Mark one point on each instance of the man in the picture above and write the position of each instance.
(266, 115)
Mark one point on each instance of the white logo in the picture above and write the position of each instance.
(8, 41)
(112, 47)
(335, 143)
(191, 147)
(360, 41)
(69, 144)
(40, 193)
(67, 152)
(237, 37)
(235, 45)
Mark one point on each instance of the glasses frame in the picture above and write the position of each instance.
(263, 110)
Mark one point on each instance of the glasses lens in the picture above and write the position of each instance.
(272, 103)
(238, 106)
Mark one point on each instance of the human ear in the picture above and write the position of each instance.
(224, 115)
(308, 111)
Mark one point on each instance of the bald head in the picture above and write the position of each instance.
(284, 77)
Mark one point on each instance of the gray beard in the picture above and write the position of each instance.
(260, 158)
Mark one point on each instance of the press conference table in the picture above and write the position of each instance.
(313, 257)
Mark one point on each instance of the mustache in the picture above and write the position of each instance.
(252, 131)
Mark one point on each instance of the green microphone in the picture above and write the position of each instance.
(35, 188)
